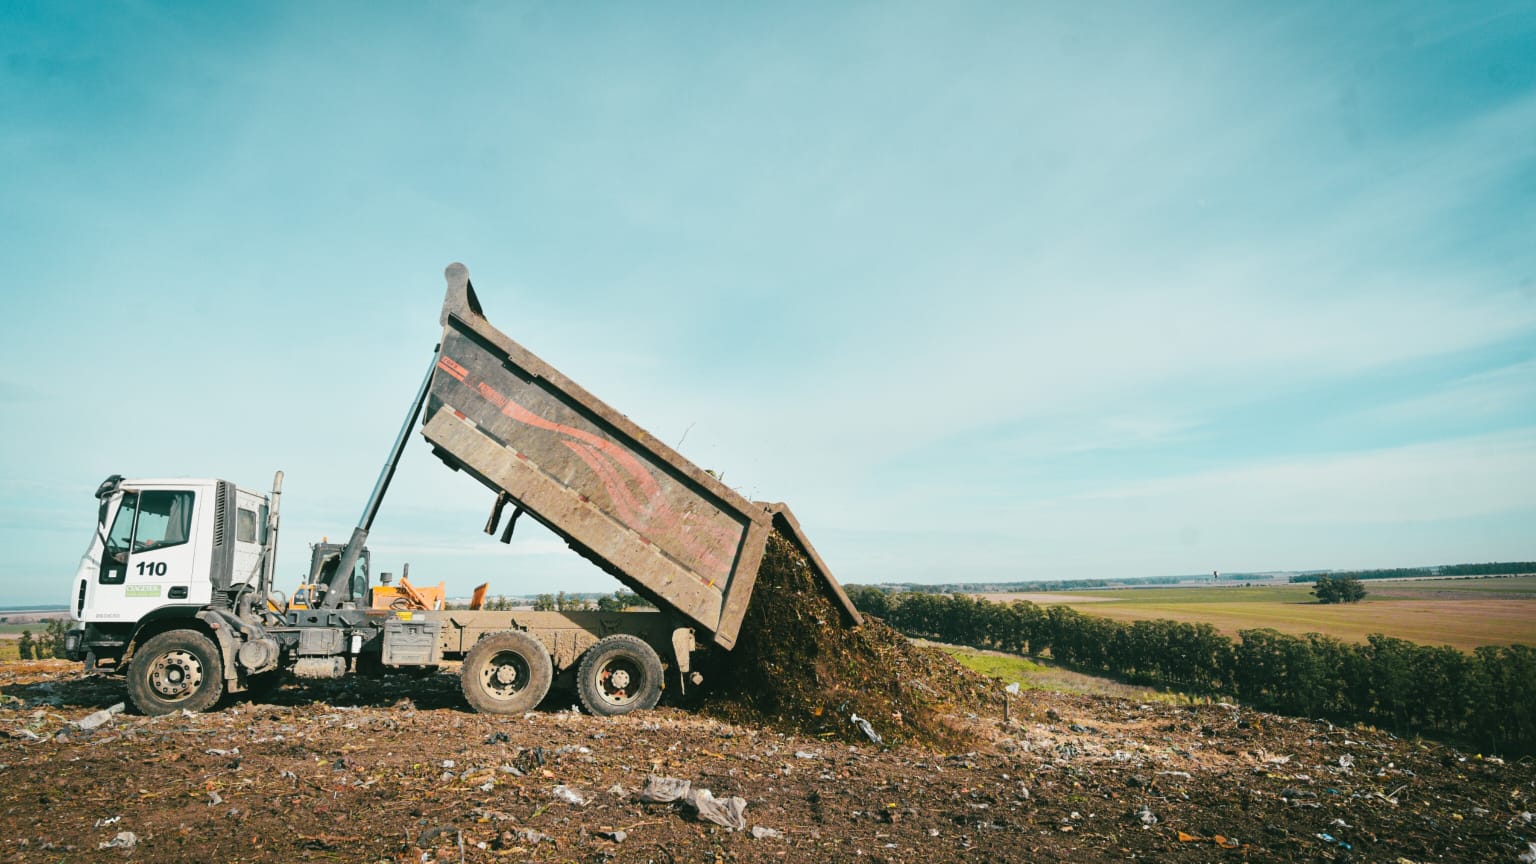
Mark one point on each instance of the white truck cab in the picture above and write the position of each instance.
(165, 543)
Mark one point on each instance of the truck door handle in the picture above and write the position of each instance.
(178, 592)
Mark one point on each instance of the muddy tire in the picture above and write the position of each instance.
(618, 675)
(178, 670)
(506, 673)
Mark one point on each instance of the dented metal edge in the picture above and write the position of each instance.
(463, 305)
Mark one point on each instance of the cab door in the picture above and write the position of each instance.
(148, 559)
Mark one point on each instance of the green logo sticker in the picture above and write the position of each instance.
(142, 591)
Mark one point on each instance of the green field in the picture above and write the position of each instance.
(1464, 613)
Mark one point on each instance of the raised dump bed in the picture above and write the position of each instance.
(658, 523)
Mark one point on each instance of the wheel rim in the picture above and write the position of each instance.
(176, 675)
(505, 675)
(620, 681)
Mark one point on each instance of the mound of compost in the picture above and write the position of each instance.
(798, 666)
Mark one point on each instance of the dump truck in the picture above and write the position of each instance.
(176, 590)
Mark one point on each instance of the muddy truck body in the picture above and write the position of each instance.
(176, 590)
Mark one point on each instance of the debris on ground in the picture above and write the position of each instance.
(726, 812)
(339, 753)
(100, 718)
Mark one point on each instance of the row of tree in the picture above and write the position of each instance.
(1488, 696)
(1492, 568)
(618, 601)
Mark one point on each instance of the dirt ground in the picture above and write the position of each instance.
(398, 769)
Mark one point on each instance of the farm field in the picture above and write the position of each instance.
(1463, 613)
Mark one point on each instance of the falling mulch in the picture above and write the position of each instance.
(796, 667)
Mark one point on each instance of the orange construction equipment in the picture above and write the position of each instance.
(407, 596)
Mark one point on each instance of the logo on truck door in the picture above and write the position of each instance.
(142, 591)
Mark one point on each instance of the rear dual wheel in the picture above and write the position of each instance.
(618, 675)
(506, 673)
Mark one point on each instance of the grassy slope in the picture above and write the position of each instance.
(1040, 676)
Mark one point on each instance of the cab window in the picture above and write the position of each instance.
(245, 525)
(145, 522)
(165, 519)
(114, 559)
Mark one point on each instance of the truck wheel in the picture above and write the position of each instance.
(618, 675)
(506, 673)
(178, 670)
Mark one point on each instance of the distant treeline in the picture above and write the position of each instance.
(1504, 568)
(1488, 696)
(1027, 587)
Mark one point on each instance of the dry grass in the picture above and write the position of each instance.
(1464, 613)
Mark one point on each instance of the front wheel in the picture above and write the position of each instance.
(178, 670)
(618, 675)
(506, 673)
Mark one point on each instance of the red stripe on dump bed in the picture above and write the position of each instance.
(446, 364)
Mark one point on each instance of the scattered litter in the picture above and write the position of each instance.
(1146, 817)
(616, 836)
(663, 790)
(1329, 838)
(569, 795)
(727, 812)
(431, 834)
(1529, 855)
(618, 791)
(1346, 763)
(805, 754)
(110, 820)
(868, 730)
(761, 833)
(123, 840)
(100, 718)
(214, 799)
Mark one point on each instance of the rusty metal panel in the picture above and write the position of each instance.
(623, 499)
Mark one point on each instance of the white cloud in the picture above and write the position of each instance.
(1459, 479)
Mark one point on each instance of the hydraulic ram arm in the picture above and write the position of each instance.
(336, 589)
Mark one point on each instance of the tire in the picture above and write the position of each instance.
(618, 675)
(178, 670)
(506, 673)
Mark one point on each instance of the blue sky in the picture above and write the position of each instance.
(985, 291)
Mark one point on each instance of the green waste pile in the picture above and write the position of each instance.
(797, 667)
